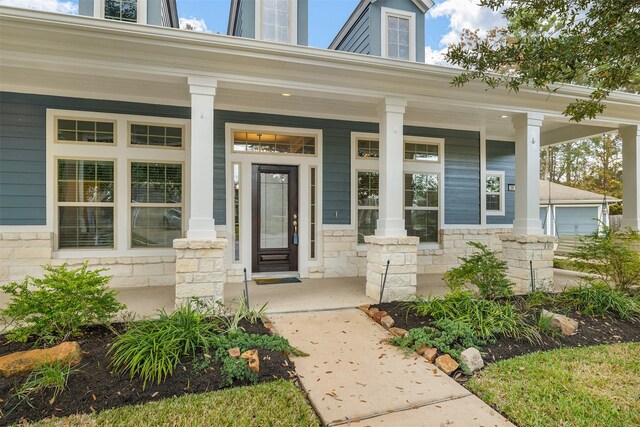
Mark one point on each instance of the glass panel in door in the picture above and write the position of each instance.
(274, 210)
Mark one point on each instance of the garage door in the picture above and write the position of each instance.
(577, 221)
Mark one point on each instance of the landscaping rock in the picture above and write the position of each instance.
(472, 358)
(428, 353)
(365, 308)
(234, 352)
(398, 332)
(67, 353)
(252, 359)
(387, 321)
(447, 364)
(379, 315)
(564, 324)
(372, 311)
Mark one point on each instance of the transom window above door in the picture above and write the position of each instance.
(274, 143)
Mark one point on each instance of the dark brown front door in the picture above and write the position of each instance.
(275, 218)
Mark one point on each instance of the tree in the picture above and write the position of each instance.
(593, 43)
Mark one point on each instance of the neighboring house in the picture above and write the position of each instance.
(262, 153)
(566, 211)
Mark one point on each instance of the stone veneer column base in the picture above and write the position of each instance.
(518, 250)
(402, 252)
(200, 269)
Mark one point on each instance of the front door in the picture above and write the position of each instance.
(275, 218)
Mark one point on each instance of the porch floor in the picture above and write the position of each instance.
(309, 295)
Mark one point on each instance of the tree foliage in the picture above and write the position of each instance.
(593, 164)
(593, 43)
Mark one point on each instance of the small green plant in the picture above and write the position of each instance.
(544, 326)
(46, 377)
(489, 319)
(613, 255)
(448, 336)
(55, 307)
(152, 349)
(484, 270)
(237, 370)
(596, 298)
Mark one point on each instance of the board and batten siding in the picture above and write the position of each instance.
(357, 39)
(501, 157)
(461, 172)
(23, 147)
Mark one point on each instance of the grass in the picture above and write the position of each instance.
(591, 386)
(277, 403)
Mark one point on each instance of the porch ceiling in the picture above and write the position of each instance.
(84, 57)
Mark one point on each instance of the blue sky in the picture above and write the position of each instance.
(444, 22)
(326, 17)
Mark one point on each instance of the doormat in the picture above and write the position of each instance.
(276, 280)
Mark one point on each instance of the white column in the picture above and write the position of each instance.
(630, 176)
(527, 215)
(391, 222)
(201, 222)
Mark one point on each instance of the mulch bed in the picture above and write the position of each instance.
(96, 388)
(591, 331)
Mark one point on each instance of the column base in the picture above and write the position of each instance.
(200, 270)
(519, 250)
(402, 254)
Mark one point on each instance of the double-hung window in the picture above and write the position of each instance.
(277, 17)
(118, 180)
(421, 185)
(121, 10)
(398, 34)
(494, 193)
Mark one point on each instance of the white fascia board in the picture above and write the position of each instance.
(375, 76)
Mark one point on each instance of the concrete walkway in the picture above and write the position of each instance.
(354, 378)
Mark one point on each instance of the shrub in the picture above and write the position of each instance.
(484, 270)
(152, 349)
(612, 255)
(596, 298)
(55, 307)
(487, 318)
(448, 336)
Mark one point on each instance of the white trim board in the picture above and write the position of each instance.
(304, 163)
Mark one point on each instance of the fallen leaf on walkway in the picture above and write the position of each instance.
(313, 342)
(435, 371)
(381, 356)
(329, 372)
(438, 406)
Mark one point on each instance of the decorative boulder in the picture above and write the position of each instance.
(428, 353)
(234, 352)
(447, 364)
(379, 315)
(398, 332)
(387, 321)
(372, 311)
(472, 358)
(564, 324)
(67, 353)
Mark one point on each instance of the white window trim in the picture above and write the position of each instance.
(304, 163)
(372, 164)
(386, 12)
(98, 10)
(293, 21)
(122, 154)
(501, 175)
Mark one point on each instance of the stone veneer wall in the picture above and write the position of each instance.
(24, 253)
(343, 258)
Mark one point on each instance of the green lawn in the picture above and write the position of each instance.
(278, 403)
(593, 386)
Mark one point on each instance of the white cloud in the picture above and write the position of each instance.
(435, 56)
(44, 5)
(465, 14)
(193, 24)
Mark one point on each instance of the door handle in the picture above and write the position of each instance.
(295, 229)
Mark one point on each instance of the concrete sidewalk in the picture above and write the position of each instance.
(354, 378)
